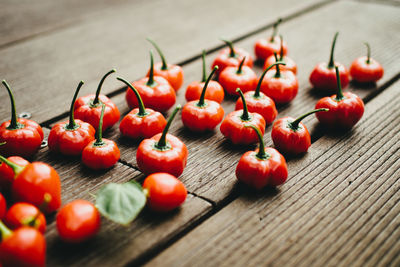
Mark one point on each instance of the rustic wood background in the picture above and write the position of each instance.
(340, 205)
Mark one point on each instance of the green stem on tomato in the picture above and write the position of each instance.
(281, 51)
(278, 70)
(164, 62)
(239, 71)
(14, 124)
(245, 115)
(151, 81)
(142, 110)
(203, 58)
(72, 125)
(162, 142)
(294, 125)
(99, 133)
(258, 88)
(368, 53)
(262, 155)
(232, 50)
(96, 100)
(201, 102)
(275, 29)
(5, 232)
(331, 63)
(339, 95)
(16, 168)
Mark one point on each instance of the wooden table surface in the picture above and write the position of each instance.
(341, 203)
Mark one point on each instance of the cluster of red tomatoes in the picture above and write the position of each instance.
(36, 187)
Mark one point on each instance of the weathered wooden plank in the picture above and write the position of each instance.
(343, 196)
(212, 159)
(52, 65)
(114, 245)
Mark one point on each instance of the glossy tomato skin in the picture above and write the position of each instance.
(160, 97)
(214, 91)
(78, 221)
(151, 160)
(21, 213)
(324, 78)
(202, 118)
(231, 80)
(100, 157)
(364, 72)
(173, 74)
(26, 247)
(290, 64)
(36, 180)
(265, 48)
(7, 174)
(164, 191)
(135, 126)
(3, 206)
(70, 142)
(24, 141)
(224, 59)
(283, 89)
(84, 110)
(233, 127)
(259, 173)
(262, 105)
(289, 141)
(342, 114)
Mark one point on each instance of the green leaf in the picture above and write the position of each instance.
(121, 203)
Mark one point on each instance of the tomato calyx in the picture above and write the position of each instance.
(231, 49)
(202, 103)
(275, 30)
(331, 63)
(164, 62)
(261, 155)
(295, 125)
(14, 124)
(151, 82)
(162, 144)
(96, 101)
(257, 94)
(142, 110)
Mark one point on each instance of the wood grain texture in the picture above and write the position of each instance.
(44, 71)
(212, 159)
(339, 207)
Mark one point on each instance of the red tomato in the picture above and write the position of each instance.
(366, 69)
(25, 214)
(164, 191)
(78, 221)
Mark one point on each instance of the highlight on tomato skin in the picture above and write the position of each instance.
(164, 192)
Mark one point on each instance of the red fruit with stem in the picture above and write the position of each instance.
(164, 192)
(233, 126)
(265, 48)
(25, 246)
(323, 76)
(345, 109)
(22, 137)
(25, 214)
(290, 64)
(241, 77)
(280, 85)
(214, 90)
(88, 108)
(290, 136)
(366, 69)
(7, 174)
(258, 102)
(172, 73)
(231, 57)
(141, 122)
(101, 153)
(262, 167)
(202, 115)
(163, 152)
(78, 221)
(70, 138)
(156, 92)
(3, 206)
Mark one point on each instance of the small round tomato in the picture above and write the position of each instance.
(164, 191)
(25, 214)
(78, 221)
